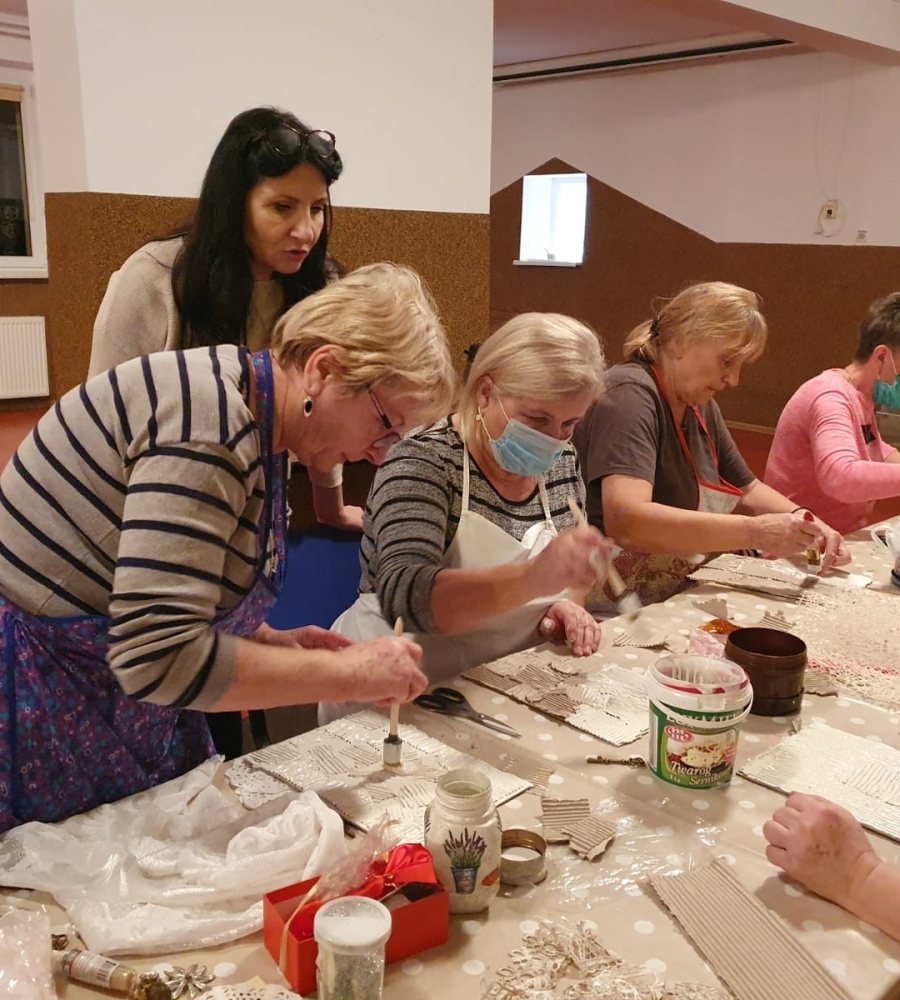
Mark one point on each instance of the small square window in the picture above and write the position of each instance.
(23, 238)
(554, 207)
(15, 227)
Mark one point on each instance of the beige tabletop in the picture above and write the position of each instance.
(661, 829)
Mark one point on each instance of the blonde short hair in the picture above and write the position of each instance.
(708, 311)
(385, 321)
(535, 356)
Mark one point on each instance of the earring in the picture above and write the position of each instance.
(307, 406)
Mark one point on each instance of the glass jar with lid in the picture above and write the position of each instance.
(463, 833)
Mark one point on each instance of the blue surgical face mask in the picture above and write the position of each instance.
(887, 395)
(522, 450)
(890, 383)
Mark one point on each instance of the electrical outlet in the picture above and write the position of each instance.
(862, 235)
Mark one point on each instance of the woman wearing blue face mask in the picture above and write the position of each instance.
(828, 453)
(887, 397)
(468, 536)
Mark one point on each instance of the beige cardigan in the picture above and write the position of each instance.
(138, 316)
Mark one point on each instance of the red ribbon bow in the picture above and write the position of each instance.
(404, 864)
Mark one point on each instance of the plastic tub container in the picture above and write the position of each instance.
(697, 705)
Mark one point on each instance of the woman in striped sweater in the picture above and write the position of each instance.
(142, 543)
(257, 244)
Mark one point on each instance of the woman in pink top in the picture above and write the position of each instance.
(827, 453)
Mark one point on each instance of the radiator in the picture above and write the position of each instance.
(23, 357)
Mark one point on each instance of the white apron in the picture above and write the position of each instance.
(477, 544)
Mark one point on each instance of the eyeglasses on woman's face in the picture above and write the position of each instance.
(386, 440)
(285, 141)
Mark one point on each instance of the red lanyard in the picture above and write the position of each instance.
(680, 433)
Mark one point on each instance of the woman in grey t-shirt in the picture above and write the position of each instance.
(664, 477)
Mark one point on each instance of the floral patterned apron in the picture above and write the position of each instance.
(70, 738)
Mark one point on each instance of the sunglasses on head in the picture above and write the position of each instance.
(285, 140)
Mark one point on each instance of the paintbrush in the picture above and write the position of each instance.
(392, 752)
(626, 601)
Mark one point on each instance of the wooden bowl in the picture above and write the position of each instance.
(775, 662)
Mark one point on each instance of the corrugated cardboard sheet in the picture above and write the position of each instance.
(858, 774)
(750, 948)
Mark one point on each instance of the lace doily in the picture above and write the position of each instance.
(247, 991)
(853, 637)
(252, 786)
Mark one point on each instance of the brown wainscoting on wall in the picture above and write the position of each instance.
(90, 235)
(814, 295)
(452, 251)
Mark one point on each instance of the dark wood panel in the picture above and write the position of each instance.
(814, 296)
(89, 235)
(450, 250)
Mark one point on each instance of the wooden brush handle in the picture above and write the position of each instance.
(617, 584)
(395, 709)
(395, 718)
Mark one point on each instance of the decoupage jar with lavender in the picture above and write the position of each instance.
(462, 832)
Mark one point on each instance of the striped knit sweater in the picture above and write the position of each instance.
(413, 512)
(139, 496)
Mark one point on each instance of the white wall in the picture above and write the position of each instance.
(404, 84)
(740, 150)
(875, 22)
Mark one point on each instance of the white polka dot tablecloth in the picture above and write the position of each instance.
(661, 829)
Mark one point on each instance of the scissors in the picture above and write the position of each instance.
(449, 701)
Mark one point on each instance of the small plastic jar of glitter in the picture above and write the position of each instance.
(351, 932)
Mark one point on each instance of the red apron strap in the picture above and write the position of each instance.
(683, 441)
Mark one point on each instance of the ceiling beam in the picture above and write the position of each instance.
(861, 29)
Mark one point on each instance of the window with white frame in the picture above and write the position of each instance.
(554, 207)
(23, 240)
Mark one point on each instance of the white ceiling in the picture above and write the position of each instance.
(528, 30)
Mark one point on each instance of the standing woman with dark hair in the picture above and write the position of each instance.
(258, 244)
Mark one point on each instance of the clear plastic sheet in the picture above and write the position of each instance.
(180, 866)
(629, 860)
(350, 871)
(25, 955)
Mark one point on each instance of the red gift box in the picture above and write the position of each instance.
(419, 924)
